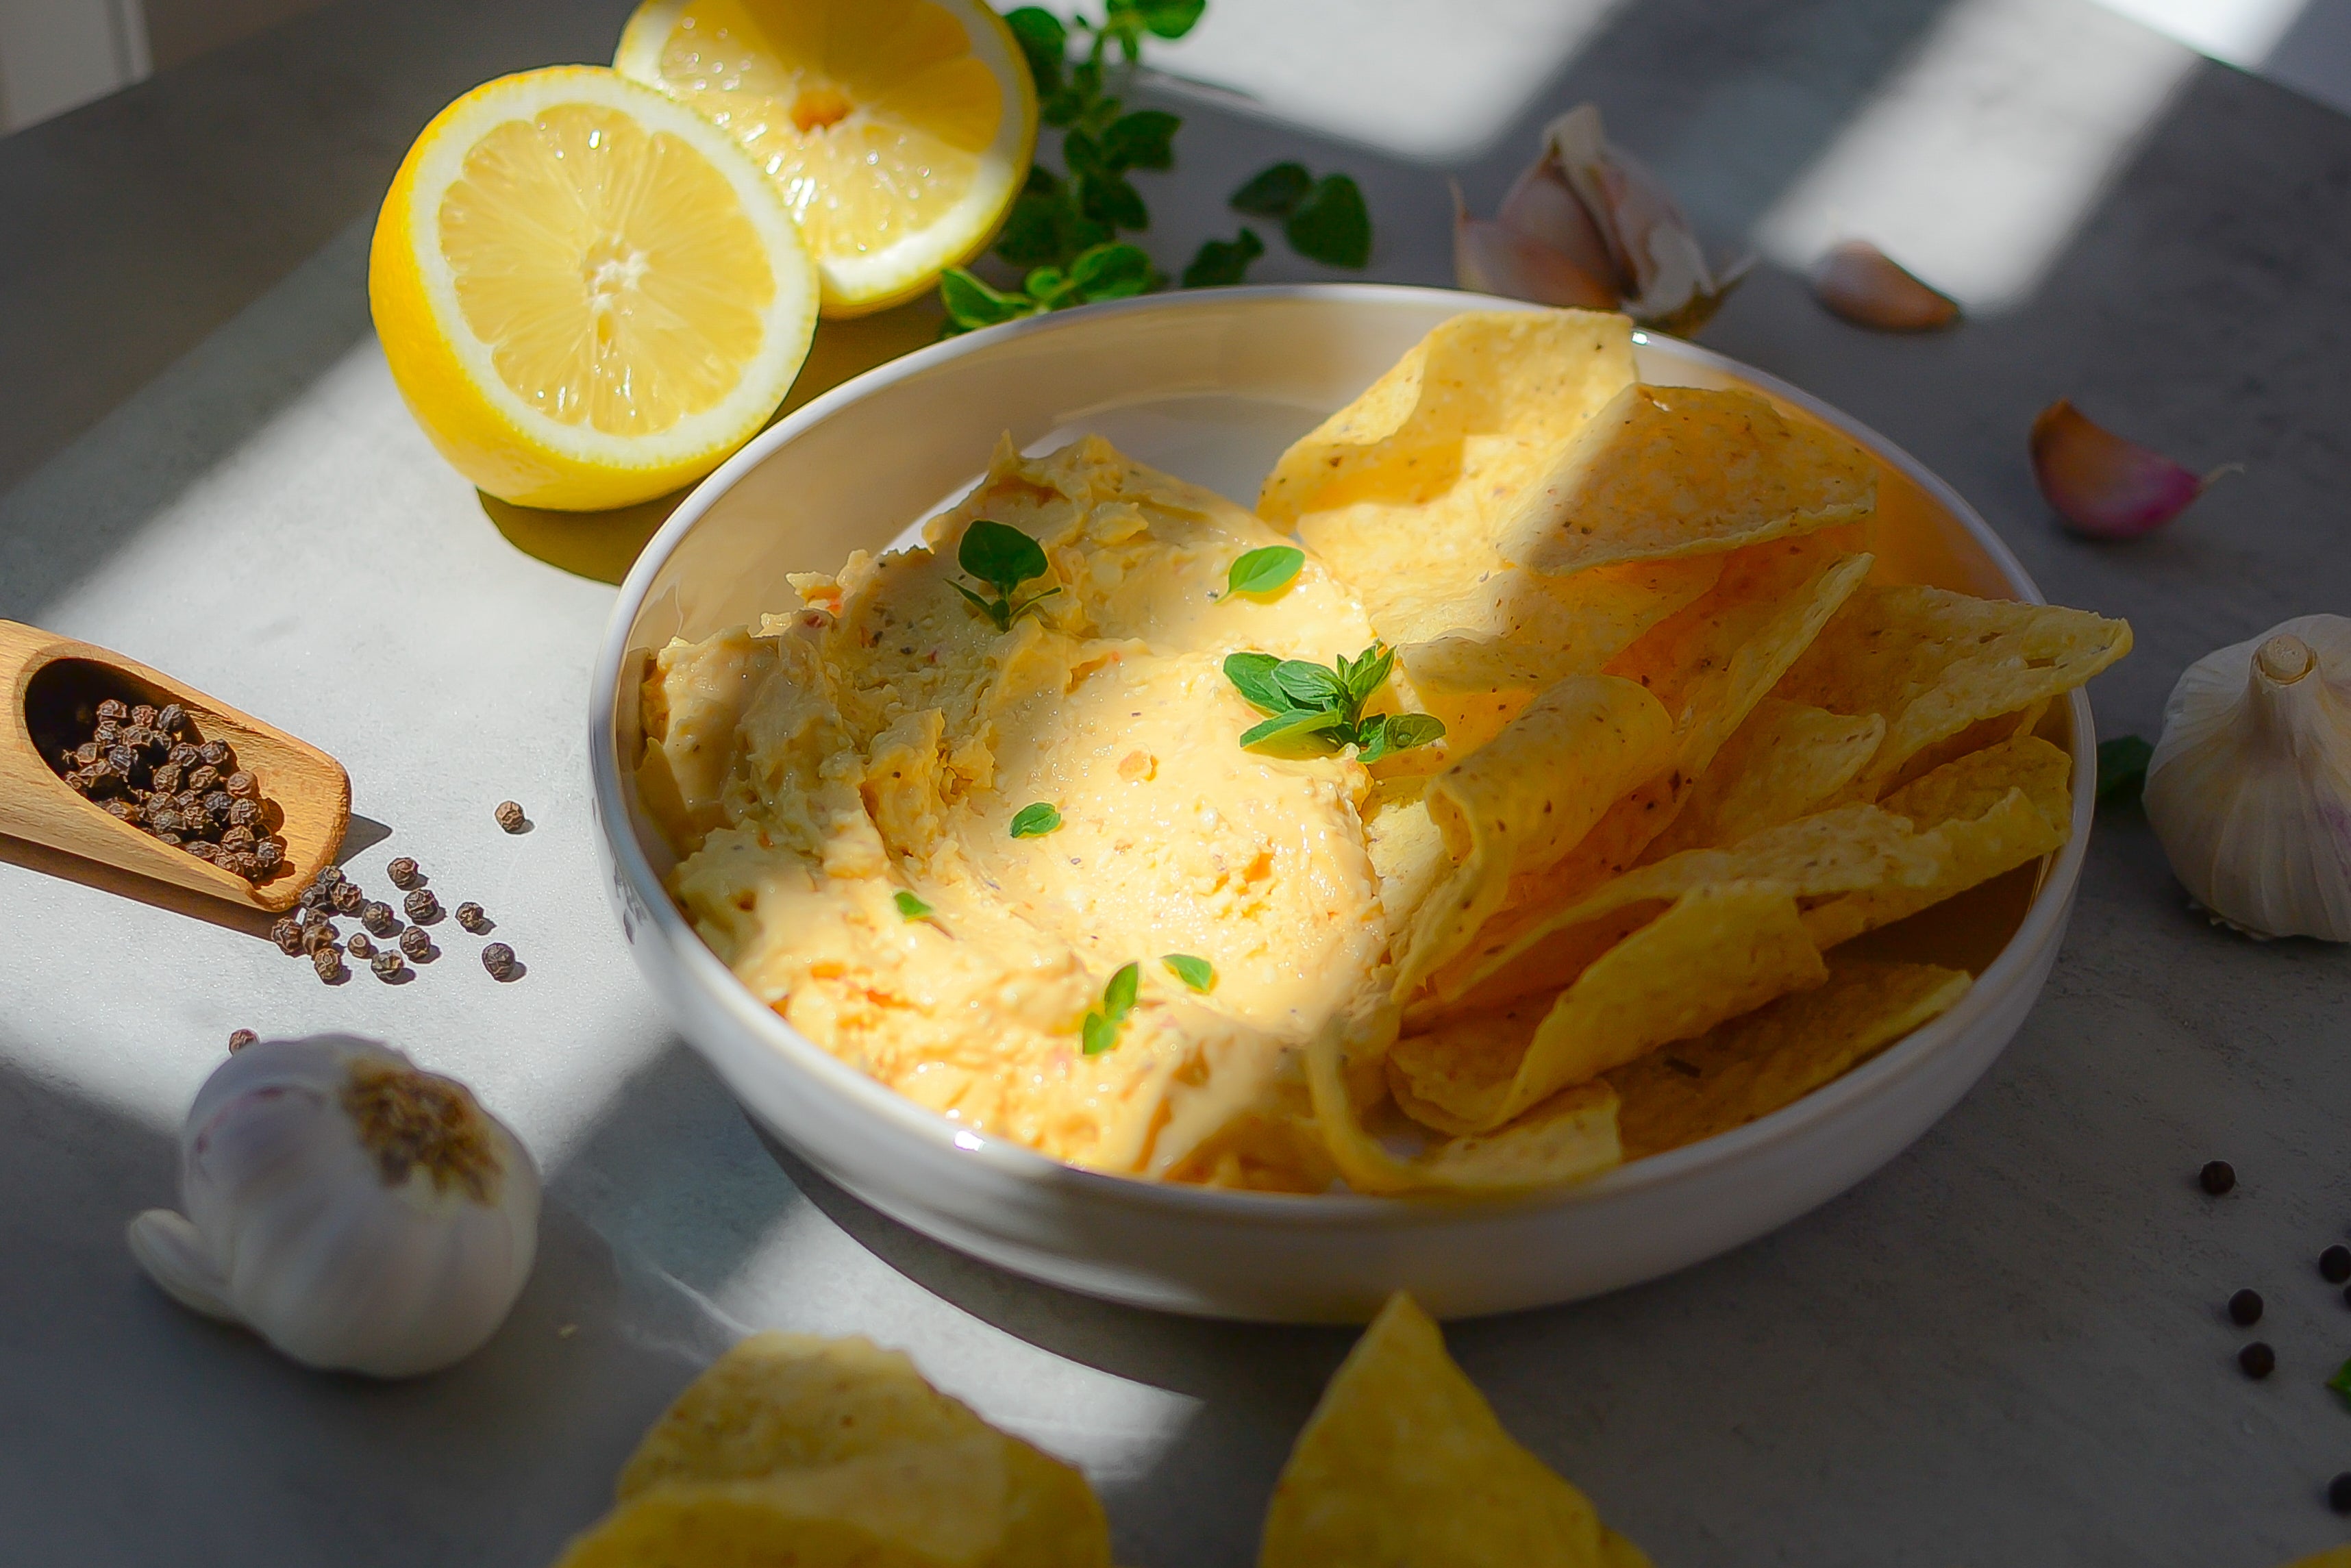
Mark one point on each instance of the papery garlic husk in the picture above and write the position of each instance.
(1865, 286)
(1587, 224)
(356, 1212)
(2250, 788)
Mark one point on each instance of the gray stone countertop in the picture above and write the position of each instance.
(2006, 1347)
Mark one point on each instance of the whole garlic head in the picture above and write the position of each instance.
(357, 1213)
(2250, 788)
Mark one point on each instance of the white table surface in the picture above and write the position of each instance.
(2007, 1347)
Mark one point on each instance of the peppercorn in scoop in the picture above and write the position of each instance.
(151, 767)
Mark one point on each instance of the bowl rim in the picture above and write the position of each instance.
(2042, 923)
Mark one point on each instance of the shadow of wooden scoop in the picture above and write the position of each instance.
(50, 681)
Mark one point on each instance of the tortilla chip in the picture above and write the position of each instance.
(927, 1505)
(1530, 376)
(1786, 761)
(1933, 663)
(1846, 849)
(1986, 814)
(1744, 1070)
(1678, 471)
(1404, 1462)
(1709, 664)
(1720, 950)
(780, 1404)
(1406, 851)
(1517, 806)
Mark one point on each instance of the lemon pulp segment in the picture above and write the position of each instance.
(609, 273)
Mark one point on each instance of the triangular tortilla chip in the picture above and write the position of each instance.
(1933, 663)
(1746, 1068)
(1403, 1463)
(1678, 471)
(1785, 762)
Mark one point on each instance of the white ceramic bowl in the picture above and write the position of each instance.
(1212, 385)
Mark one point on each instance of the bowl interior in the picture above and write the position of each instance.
(1211, 387)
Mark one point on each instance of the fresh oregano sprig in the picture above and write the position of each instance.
(1101, 1030)
(1324, 220)
(1003, 558)
(1316, 704)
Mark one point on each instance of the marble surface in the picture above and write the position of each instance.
(2006, 1347)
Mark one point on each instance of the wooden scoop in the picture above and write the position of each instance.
(46, 677)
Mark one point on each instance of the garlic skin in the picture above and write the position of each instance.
(2250, 788)
(357, 1213)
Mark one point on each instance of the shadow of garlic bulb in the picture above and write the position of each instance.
(2250, 788)
(357, 1213)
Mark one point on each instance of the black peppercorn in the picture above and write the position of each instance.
(122, 759)
(422, 906)
(329, 962)
(358, 945)
(2245, 1308)
(2218, 1177)
(378, 919)
(319, 937)
(2338, 1493)
(202, 850)
(202, 777)
(142, 715)
(347, 898)
(113, 708)
(268, 855)
(470, 917)
(499, 961)
(122, 810)
(287, 934)
(2335, 1264)
(2258, 1360)
(415, 943)
(239, 862)
(166, 779)
(387, 965)
(166, 820)
(238, 1039)
(237, 839)
(184, 757)
(243, 785)
(215, 754)
(215, 802)
(171, 718)
(511, 817)
(403, 871)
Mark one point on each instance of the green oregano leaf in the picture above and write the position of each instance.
(2341, 1381)
(1292, 727)
(1034, 821)
(1112, 271)
(909, 907)
(1118, 997)
(1310, 685)
(1266, 571)
(1044, 43)
(1252, 675)
(1274, 193)
(1221, 263)
(971, 304)
(2121, 768)
(1383, 736)
(1332, 224)
(1099, 1034)
(1168, 19)
(1141, 140)
(999, 554)
(1197, 974)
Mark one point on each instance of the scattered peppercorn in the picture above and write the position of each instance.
(319, 938)
(416, 943)
(2335, 1264)
(238, 1039)
(2338, 1493)
(2258, 1360)
(358, 945)
(312, 914)
(377, 917)
(387, 965)
(2218, 1177)
(511, 817)
(499, 961)
(403, 872)
(287, 934)
(329, 962)
(2245, 1308)
(422, 906)
(472, 918)
(347, 898)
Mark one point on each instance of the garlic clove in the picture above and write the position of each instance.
(1862, 284)
(173, 1252)
(1649, 241)
(1544, 207)
(356, 1212)
(2104, 486)
(1489, 258)
(2250, 789)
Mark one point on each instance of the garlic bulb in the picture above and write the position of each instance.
(2250, 788)
(357, 1213)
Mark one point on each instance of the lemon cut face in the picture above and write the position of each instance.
(899, 132)
(588, 295)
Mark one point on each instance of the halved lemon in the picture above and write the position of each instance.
(588, 293)
(900, 131)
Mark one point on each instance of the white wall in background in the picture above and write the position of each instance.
(56, 55)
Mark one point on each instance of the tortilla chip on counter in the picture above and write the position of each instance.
(1788, 759)
(1678, 471)
(1719, 951)
(1709, 664)
(1744, 1070)
(792, 1450)
(1932, 663)
(1403, 1462)
(1525, 800)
